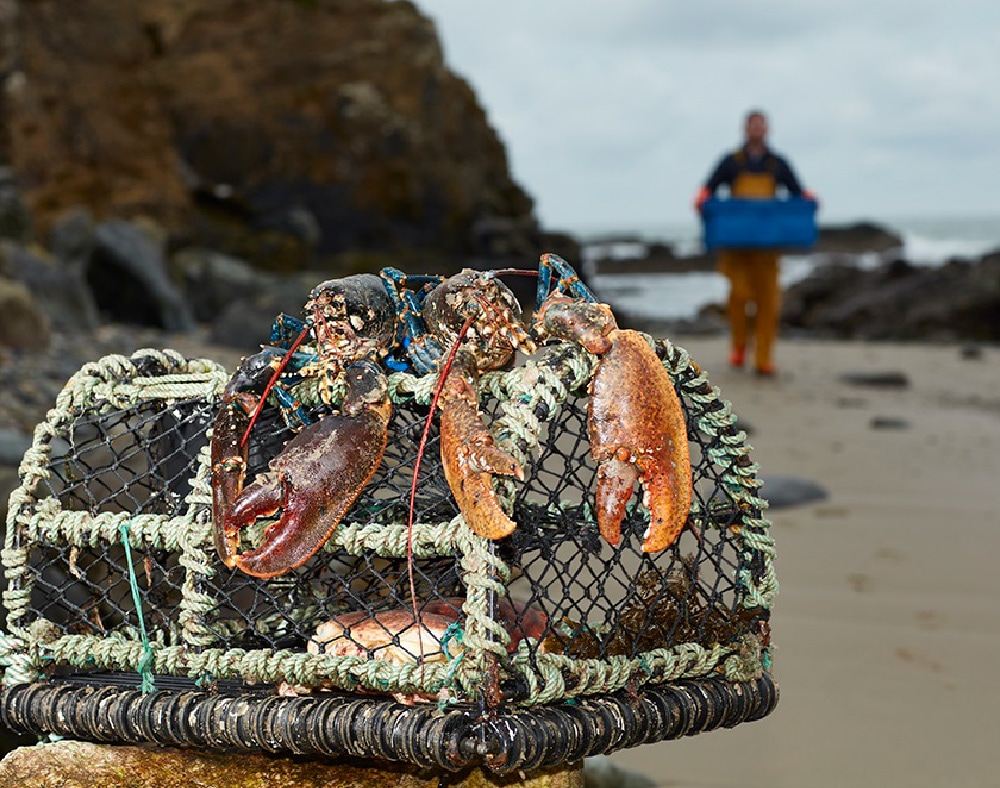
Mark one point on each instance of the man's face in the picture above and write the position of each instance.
(756, 128)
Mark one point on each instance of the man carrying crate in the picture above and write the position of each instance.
(754, 172)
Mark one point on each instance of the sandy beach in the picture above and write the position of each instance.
(886, 624)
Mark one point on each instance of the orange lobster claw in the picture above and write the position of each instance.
(470, 457)
(635, 422)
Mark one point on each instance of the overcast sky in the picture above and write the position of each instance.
(614, 111)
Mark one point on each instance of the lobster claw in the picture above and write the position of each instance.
(635, 422)
(312, 482)
(469, 455)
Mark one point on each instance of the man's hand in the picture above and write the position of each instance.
(701, 197)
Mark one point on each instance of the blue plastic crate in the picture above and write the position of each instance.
(759, 224)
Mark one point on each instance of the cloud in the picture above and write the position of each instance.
(614, 112)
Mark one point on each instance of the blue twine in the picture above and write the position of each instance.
(453, 632)
(145, 665)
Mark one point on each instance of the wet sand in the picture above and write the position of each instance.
(887, 624)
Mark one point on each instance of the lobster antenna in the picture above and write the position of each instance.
(270, 384)
(442, 376)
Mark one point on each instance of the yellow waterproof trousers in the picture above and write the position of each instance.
(753, 279)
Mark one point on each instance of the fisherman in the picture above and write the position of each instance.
(752, 172)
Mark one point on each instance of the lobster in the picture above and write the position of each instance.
(458, 327)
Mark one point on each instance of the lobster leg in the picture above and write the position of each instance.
(568, 280)
(229, 461)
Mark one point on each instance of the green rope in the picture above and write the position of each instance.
(144, 665)
(453, 632)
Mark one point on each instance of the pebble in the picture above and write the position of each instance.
(888, 423)
(880, 380)
(971, 352)
(599, 771)
(783, 492)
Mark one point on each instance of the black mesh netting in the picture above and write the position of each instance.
(570, 592)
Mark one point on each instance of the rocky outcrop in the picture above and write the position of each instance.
(834, 241)
(287, 132)
(128, 274)
(899, 301)
(23, 325)
(856, 238)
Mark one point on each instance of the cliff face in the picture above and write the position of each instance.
(285, 131)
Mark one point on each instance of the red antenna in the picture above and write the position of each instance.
(442, 376)
(270, 384)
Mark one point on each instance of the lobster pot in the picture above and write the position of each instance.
(426, 644)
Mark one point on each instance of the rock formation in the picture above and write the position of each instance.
(290, 133)
(958, 301)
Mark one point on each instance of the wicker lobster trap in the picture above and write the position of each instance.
(543, 647)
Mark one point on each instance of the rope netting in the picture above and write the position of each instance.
(110, 566)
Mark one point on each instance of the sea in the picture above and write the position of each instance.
(926, 241)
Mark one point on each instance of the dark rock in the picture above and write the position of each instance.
(72, 237)
(242, 324)
(599, 771)
(856, 238)
(500, 237)
(748, 428)
(23, 324)
(13, 445)
(59, 288)
(783, 492)
(288, 134)
(876, 380)
(889, 423)
(898, 301)
(246, 323)
(211, 281)
(128, 275)
(971, 352)
(15, 219)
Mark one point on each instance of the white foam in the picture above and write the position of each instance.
(928, 242)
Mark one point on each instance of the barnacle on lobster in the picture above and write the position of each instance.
(635, 422)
